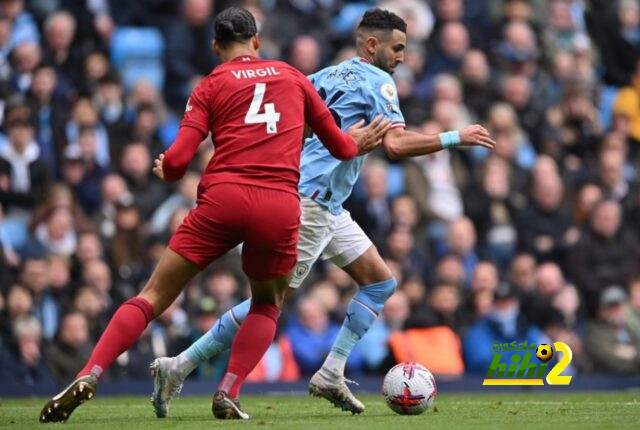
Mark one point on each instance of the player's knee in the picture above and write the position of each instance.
(375, 295)
(380, 291)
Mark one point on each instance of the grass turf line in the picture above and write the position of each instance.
(564, 411)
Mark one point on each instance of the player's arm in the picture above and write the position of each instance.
(358, 140)
(400, 143)
(344, 146)
(172, 165)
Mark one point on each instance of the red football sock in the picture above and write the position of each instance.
(252, 341)
(123, 331)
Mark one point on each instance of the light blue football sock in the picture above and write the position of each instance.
(363, 310)
(220, 336)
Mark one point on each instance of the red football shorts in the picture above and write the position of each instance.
(266, 220)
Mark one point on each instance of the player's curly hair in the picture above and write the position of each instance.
(379, 19)
(234, 24)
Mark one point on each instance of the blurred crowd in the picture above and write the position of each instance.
(535, 241)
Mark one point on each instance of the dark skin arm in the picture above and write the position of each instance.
(401, 143)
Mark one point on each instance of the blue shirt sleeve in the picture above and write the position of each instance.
(381, 97)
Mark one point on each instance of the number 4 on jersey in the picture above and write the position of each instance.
(270, 116)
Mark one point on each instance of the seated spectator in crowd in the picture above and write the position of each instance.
(25, 59)
(607, 254)
(223, 287)
(71, 347)
(126, 250)
(113, 191)
(56, 234)
(461, 241)
(493, 206)
(85, 116)
(48, 104)
(543, 225)
(110, 105)
(89, 303)
(35, 277)
(522, 272)
(23, 174)
(312, 334)
(611, 177)
(185, 197)
(60, 281)
(401, 248)
(485, 277)
(18, 303)
(589, 195)
(415, 291)
(148, 191)
(512, 144)
(609, 343)
(475, 76)
(450, 270)
(372, 212)
(442, 308)
(505, 323)
(25, 364)
(189, 35)
(87, 191)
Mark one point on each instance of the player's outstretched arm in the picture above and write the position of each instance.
(367, 138)
(172, 165)
(359, 140)
(400, 143)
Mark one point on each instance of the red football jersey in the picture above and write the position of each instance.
(255, 110)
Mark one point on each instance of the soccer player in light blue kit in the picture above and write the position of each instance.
(356, 89)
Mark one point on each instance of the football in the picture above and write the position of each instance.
(544, 352)
(409, 389)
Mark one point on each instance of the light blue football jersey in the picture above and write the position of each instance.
(353, 90)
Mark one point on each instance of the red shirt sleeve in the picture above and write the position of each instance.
(179, 155)
(317, 115)
(197, 113)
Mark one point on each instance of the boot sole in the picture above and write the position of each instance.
(332, 397)
(60, 408)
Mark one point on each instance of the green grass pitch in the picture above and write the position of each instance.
(517, 410)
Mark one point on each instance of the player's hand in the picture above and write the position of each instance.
(367, 138)
(476, 135)
(157, 167)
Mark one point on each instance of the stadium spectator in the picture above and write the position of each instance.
(504, 323)
(35, 277)
(26, 364)
(71, 348)
(493, 206)
(59, 31)
(605, 255)
(188, 36)
(48, 105)
(441, 308)
(543, 226)
(609, 343)
(147, 190)
(312, 334)
(184, 197)
(23, 27)
(305, 54)
(23, 174)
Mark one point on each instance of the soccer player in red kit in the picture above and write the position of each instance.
(255, 111)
